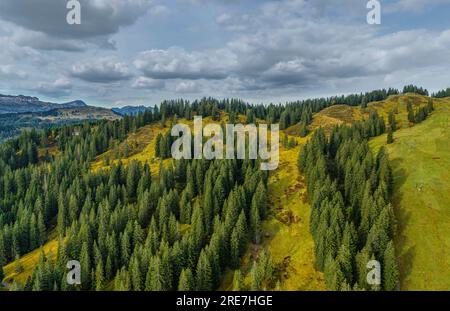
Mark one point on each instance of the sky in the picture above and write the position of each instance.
(141, 52)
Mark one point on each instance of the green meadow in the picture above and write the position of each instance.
(420, 157)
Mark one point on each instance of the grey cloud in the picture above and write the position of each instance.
(99, 19)
(101, 71)
(42, 41)
(59, 88)
(176, 63)
(9, 72)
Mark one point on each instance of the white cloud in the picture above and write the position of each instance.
(223, 18)
(147, 83)
(187, 87)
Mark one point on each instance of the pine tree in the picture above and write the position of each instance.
(3, 258)
(410, 110)
(237, 280)
(260, 200)
(392, 121)
(204, 273)
(303, 130)
(250, 117)
(85, 262)
(256, 278)
(364, 102)
(186, 282)
(390, 270)
(135, 275)
(2, 273)
(238, 240)
(99, 277)
(255, 224)
(159, 139)
(42, 235)
(430, 106)
(390, 136)
(62, 215)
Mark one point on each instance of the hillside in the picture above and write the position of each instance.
(294, 259)
(343, 114)
(420, 160)
(78, 114)
(12, 123)
(420, 157)
(286, 232)
(21, 104)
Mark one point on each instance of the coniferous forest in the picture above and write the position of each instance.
(211, 154)
(184, 227)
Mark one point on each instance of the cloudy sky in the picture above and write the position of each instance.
(133, 52)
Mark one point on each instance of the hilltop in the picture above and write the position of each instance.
(344, 114)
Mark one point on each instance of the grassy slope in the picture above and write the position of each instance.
(286, 231)
(420, 157)
(141, 147)
(342, 114)
(290, 241)
(29, 262)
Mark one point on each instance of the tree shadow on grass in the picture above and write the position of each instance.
(406, 264)
(403, 216)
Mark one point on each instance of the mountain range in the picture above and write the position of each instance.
(23, 104)
(21, 112)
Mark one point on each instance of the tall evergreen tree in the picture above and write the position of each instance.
(390, 271)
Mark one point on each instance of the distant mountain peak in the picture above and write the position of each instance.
(74, 104)
(25, 104)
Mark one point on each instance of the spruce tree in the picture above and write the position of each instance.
(186, 282)
(255, 224)
(99, 277)
(237, 280)
(204, 273)
(390, 136)
(256, 278)
(390, 270)
(392, 121)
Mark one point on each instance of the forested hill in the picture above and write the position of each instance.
(181, 227)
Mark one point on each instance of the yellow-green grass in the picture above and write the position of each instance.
(343, 114)
(286, 232)
(290, 242)
(141, 146)
(420, 158)
(28, 263)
